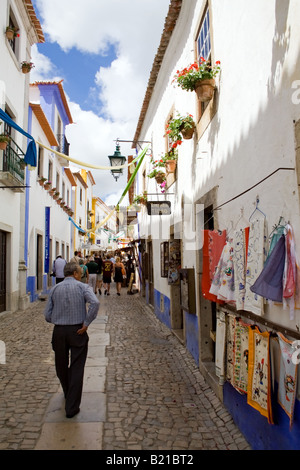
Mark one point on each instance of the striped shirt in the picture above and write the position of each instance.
(67, 303)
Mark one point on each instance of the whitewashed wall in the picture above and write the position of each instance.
(252, 133)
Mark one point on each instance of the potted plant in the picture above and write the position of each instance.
(4, 139)
(11, 32)
(42, 180)
(170, 159)
(26, 66)
(199, 78)
(160, 176)
(55, 195)
(52, 191)
(47, 185)
(180, 126)
(140, 198)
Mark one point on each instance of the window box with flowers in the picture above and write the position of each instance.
(199, 78)
(26, 66)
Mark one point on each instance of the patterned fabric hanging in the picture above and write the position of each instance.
(223, 282)
(240, 248)
(241, 356)
(255, 263)
(230, 329)
(259, 373)
(213, 244)
(288, 376)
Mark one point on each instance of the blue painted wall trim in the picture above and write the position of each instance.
(258, 432)
(164, 316)
(191, 335)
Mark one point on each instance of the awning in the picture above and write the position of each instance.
(30, 156)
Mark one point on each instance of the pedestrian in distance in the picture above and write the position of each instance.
(119, 274)
(67, 309)
(99, 261)
(84, 272)
(76, 258)
(58, 268)
(107, 273)
(129, 269)
(93, 269)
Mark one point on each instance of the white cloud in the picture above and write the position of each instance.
(134, 28)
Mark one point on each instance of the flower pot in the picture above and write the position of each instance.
(171, 166)
(25, 69)
(205, 89)
(47, 186)
(10, 34)
(160, 177)
(3, 145)
(187, 133)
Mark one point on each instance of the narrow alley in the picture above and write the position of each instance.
(142, 390)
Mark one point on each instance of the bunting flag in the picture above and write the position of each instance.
(30, 156)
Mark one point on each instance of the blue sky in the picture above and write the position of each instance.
(103, 51)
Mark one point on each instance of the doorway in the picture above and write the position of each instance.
(39, 262)
(3, 246)
(150, 273)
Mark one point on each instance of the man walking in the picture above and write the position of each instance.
(66, 309)
(93, 269)
(58, 268)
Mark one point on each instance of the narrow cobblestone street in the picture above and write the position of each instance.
(155, 396)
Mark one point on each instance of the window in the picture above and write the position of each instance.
(80, 195)
(203, 39)
(13, 24)
(50, 171)
(203, 49)
(40, 162)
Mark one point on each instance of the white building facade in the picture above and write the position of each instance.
(241, 165)
(14, 90)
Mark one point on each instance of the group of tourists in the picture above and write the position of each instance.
(98, 271)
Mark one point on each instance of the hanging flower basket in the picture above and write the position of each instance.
(26, 66)
(171, 166)
(160, 177)
(187, 133)
(205, 89)
(3, 145)
(11, 32)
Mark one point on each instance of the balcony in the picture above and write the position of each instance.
(63, 144)
(12, 173)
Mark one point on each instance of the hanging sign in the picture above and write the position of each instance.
(159, 207)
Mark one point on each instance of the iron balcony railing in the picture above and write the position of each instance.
(12, 161)
(63, 144)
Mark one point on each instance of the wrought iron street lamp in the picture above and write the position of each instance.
(117, 160)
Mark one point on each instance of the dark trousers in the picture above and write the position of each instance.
(70, 356)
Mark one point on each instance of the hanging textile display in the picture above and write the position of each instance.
(223, 282)
(291, 273)
(230, 328)
(255, 263)
(287, 377)
(240, 248)
(240, 356)
(269, 283)
(220, 346)
(259, 374)
(213, 244)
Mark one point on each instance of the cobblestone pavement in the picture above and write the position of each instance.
(156, 398)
